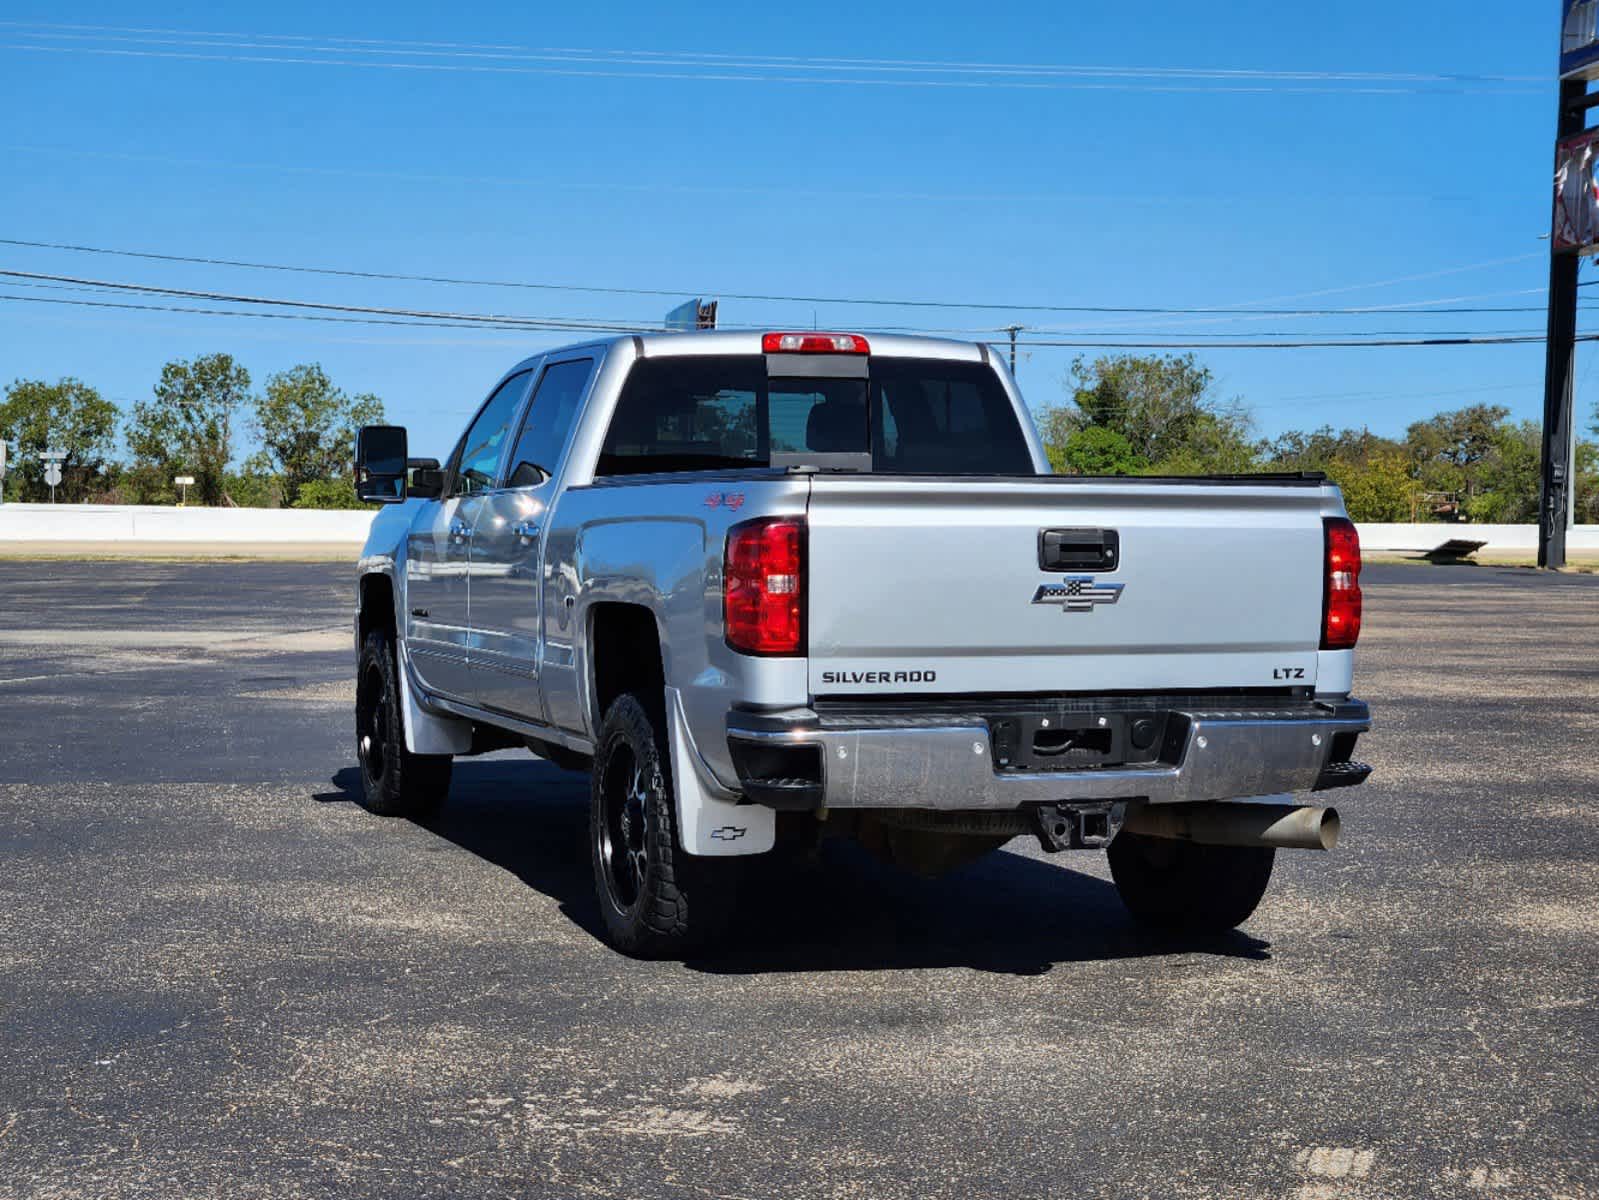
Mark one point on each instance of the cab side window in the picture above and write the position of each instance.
(548, 422)
(698, 413)
(480, 451)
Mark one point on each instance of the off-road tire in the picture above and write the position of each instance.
(394, 782)
(656, 899)
(1186, 887)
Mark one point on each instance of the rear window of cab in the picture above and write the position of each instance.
(912, 416)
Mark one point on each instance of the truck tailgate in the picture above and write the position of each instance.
(927, 587)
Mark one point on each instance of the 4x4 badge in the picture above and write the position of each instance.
(1078, 593)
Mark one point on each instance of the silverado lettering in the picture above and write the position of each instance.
(879, 676)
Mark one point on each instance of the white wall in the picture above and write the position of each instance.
(1378, 538)
(149, 523)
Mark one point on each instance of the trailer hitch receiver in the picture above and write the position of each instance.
(1088, 826)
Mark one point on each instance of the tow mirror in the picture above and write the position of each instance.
(380, 463)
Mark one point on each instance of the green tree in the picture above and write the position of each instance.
(1379, 487)
(330, 493)
(1323, 449)
(1165, 407)
(307, 426)
(1510, 476)
(1055, 427)
(1587, 483)
(1449, 451)
(1375, 473)
(66, 415)
(1587, 480)
(1212, 444)
(188, 428)
(1095, 451)
(254, 488)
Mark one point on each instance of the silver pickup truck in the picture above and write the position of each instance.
(771, 587)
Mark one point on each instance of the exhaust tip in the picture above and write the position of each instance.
(1331, 826)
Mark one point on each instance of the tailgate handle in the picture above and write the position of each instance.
(1078, 549)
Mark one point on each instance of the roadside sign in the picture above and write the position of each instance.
(1579, 39)
(700, 314)
(1576, 224)
(52, 469)
(183, 480)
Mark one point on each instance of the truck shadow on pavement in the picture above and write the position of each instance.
(837, 910)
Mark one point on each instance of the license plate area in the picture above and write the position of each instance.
(1077, 741)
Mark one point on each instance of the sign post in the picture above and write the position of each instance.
(185, 482)
(52, 469)
(2, 470)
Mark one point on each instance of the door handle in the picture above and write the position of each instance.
(526, 530)
(1078, 549)
(458, 530)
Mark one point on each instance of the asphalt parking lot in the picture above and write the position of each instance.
(219, 976)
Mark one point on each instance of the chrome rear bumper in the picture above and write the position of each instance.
(946, 764)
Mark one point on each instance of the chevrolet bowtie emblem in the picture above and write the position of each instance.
(1078, 593)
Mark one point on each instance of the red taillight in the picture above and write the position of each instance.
(814, 343)
(763, 586)
(1340, 604)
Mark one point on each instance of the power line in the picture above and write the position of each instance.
(642, 186)
(1450, 305)
(400, 45)
(749, 75)
(579, 324)
(582, 324)
(1414, 278)
(1384, 394)
(1500, 340)
(482, 322)
(276, 316)
(1408, 306)
(1261, 333)
(1241, 311)
(983, 333)
(752, 68)
(585, 324)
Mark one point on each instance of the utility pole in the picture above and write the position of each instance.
(1013, 330)
(1559, 361)
(1574, 235)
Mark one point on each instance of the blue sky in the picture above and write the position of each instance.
(1163, 189)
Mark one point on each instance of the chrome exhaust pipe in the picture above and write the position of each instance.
(1285, 826)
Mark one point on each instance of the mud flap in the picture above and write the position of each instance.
(424, 732)
(710, 825)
